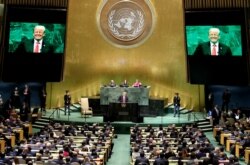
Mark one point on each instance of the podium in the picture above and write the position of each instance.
(123, 112)
(113, 110)
(136, 95)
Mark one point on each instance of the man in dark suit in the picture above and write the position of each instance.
(42, 96)
(37, 44)
(209, 103)
(213, 47)
(177, 103)
(226, 97)
(123, 99)
(161, 160)
(67, 102)
(124, 84)
(141, 160)
(216, 114)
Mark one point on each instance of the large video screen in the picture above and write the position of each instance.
(216, 47)
(34, 44)
(229, 37)
(21, 37)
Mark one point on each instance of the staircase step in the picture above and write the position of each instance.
(185, 111)
(168, 105)
(73, 108)
(37, 126)
(172, 107)
(205, 126)
(44, 120)
(203, 122)
(40, 123)
(77, 105)
(207, 129)
(182, 108)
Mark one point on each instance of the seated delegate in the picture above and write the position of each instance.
(137, 83)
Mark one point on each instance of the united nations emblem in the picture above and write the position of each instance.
(125, 23)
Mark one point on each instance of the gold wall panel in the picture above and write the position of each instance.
(215, 4)
(159, 62)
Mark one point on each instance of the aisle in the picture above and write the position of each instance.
(121, 151)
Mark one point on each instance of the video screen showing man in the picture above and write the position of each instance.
(29, 37)
(214, 41)
(213, 47)
(36, 44)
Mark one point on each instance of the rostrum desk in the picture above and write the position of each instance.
(116, 111)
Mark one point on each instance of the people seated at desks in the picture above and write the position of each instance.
(74, 157)
(4, 160)
(59, 160)
(93, 154)
(99, 142)
(2, 136)
(112, 83)
(141, 159)
(137, 83)
(161, 159)
(148, 128)
(124, 84)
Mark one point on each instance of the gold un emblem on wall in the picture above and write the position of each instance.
(125, 23)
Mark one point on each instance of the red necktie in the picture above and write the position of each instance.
(36, 50)
(214, 50)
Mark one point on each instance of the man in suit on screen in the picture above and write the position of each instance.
(213, 47)
(37, 44)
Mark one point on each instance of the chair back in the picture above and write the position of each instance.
(85, 103)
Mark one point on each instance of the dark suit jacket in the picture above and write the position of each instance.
(67, 99)
(141, 161)
(120, 99)
(27, 46)
(177, 101)
(216, 116)
(203, 49)
(160, 161)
